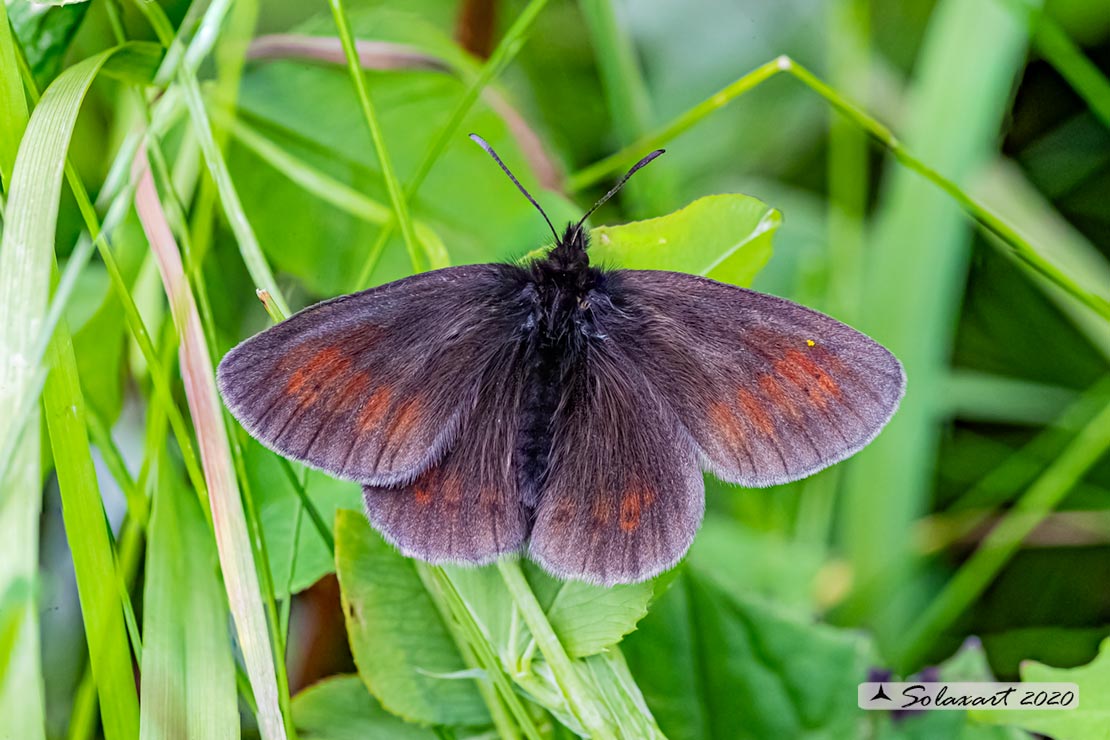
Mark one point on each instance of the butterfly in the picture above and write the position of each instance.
(555, 408)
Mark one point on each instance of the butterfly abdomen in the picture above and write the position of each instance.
(552, 343)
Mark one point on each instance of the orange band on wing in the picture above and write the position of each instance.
(756, 412)
(374, 410)
(807, 375)
(324, 365)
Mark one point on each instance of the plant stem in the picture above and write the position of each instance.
(1025, 251)
(627, 97)
(577, 695)
(506, 49)
(439, 584)
(400, 205)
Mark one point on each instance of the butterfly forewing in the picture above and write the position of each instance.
(374, 386)
(623, 496)
(466, 508)
(770, 391)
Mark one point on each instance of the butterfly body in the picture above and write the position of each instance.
(556, 408)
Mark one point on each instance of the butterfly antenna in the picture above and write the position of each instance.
(616, 188)
(489, 150)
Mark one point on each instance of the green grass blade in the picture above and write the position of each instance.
(393, 185)
(188, 671)
(628, 101)
(26, 256)
(917, 270)
(248, 243)
(996, 549)
(1030, 255)
(229, 521)
(13, 104)
(86, 532)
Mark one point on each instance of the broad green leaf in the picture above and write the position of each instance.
(714, 665)
(743, 561)
(188, 671)
(466, 199)
(340, 708)
(1090, 721)
(724, 237)
(587, 619)
(398, 639)
(278, 503)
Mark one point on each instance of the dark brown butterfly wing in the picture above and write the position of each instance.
(374, 386)
(769, 390)
(467, 508)
(623, 496)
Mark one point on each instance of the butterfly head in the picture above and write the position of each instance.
(571, 247)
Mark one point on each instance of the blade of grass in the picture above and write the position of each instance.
(506, 50)
(133, 55)
(188, 670)
(396, 197)
(26, 256)
(1053, 43)
(996, 549)
(256, 539)
(229, 522)
(628, 101)
(13, 104)
(86, 532)
(229, 198)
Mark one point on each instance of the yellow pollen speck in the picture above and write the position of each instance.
(810, 343)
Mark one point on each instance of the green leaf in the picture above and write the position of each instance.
(725, 237)
(397, 637)
(587, 619)
(45, 33)
(466, 199)
(715, 665)
(1090, 721)
(340, 708)
(188, 671)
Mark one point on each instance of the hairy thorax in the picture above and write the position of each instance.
(563, 290)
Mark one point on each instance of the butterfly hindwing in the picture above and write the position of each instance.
(623, 496)
(374, 386)
(466, 508)
(770, 391)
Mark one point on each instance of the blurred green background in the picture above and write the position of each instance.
(983, 511)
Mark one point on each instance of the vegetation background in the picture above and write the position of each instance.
(161, 573)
